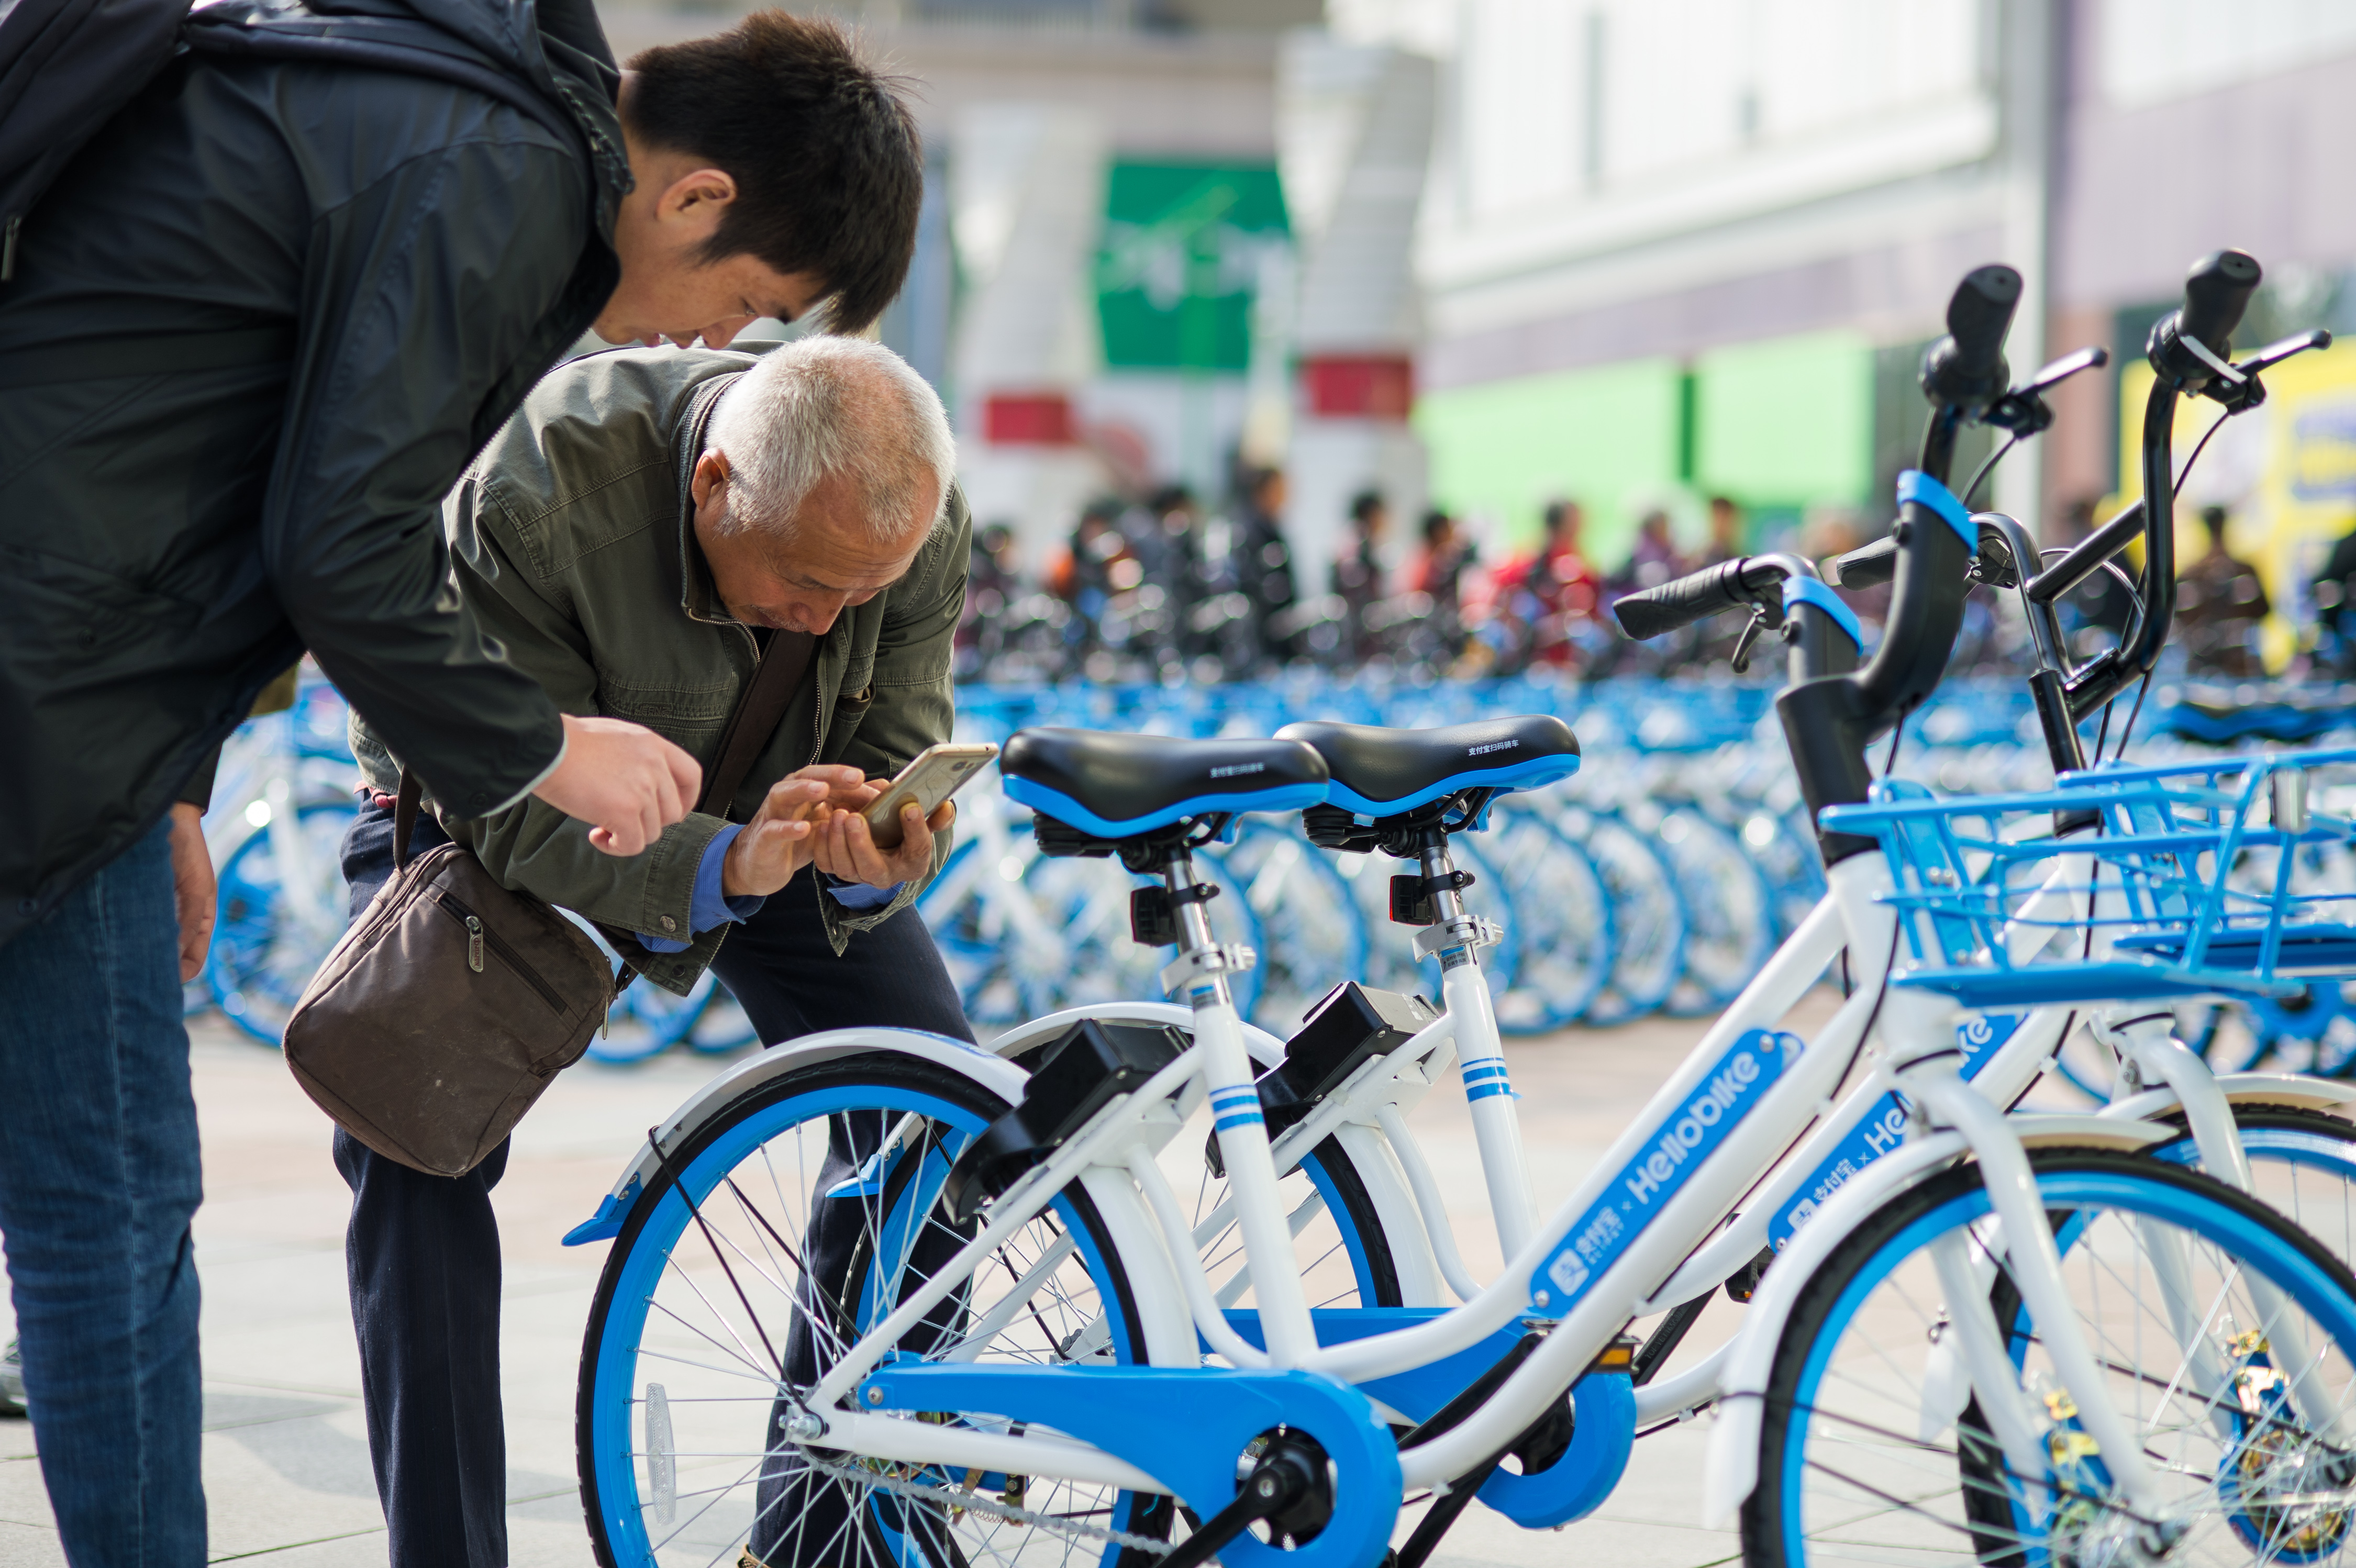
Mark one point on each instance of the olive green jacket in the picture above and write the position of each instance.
(572, 543)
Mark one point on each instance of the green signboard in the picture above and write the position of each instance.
(1184, 246)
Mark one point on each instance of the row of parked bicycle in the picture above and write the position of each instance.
(1658, 879)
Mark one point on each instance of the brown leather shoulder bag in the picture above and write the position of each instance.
(452, 1001)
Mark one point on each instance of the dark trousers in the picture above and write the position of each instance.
(423, 1252)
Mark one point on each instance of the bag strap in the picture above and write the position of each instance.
(758, 713)
(404, 818)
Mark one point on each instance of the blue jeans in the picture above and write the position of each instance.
(99, 1179)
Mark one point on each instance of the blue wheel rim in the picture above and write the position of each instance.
(640, 1269)
(2227, 1228)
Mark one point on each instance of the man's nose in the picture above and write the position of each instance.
(720, 334)
(817, 616)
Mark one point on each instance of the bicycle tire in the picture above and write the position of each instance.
(265, 949)
(1312, 935)
(1898, 1500)
(1648, 915)
(1566, 937)
(1729, 911)
(841, 1106)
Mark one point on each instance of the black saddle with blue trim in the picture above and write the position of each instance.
(1385, 772)
(1119, 785)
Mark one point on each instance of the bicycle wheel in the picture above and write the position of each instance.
(1085, 901)
(722, 1027)
(1565, 920)
(1869, 1447)
(1729, 915)
(646, 1020)
(794, 1218)
(991, 941)
(1648, 915)
(2302, 1165)
(281, 904)
(1311, 935)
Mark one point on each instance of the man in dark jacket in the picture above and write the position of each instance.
(256, 330)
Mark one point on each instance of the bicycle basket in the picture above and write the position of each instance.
(2180, 880)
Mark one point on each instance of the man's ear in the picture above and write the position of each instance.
(698, 198)
(711, 474)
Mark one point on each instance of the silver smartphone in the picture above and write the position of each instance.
(937, 773)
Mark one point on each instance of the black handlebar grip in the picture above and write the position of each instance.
(1695, 596)
(1866, 565)
(1979, 315)
(2216, 291)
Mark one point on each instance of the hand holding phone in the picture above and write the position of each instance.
(937, 773)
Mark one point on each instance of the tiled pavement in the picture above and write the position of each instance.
(286, 1461)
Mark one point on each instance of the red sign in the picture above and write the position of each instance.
(1359, 386)
(1028, 419)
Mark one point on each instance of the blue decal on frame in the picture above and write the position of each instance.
(1883, 1129)
(1672, 1151)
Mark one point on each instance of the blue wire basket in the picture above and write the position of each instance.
(2188, 879)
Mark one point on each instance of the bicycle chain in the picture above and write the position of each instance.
(979, 1502)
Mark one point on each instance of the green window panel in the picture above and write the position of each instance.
(1608, 438)
(1786, 423)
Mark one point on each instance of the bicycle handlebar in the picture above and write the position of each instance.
(1698, 596)
(1869, 566)
(2215, 295)
(1965, 370)
(1829, 722)
(2186, 348)
(2086, 557)
(1824, 634)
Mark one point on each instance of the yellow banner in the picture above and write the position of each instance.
(2285, 471)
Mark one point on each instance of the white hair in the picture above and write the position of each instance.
(817, 407)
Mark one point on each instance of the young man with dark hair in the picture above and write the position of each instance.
(249, 339)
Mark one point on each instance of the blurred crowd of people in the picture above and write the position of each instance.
(1166, 589)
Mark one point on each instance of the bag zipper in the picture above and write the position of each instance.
(478, 933)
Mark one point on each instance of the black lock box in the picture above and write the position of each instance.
(1352, 1023)
(1077, 1075)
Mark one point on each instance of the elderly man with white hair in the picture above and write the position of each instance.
(649, 528)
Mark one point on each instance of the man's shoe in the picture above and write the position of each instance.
(12, 1380)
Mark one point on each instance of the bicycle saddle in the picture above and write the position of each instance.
(1383, 772)
(1117, 785)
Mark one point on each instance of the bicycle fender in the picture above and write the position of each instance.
(993, 1073)
(1265, 1049)
(1733, 1465)
(2295, 1089)
(1186, 1427)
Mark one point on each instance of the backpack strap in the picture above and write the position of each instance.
(381, 43)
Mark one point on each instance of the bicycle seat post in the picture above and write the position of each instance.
(1200, 973)
(1456, 937)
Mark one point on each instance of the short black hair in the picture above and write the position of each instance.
(1365, 504)
(829, 165)
(1435, 523)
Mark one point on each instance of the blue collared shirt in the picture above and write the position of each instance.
(711, 907)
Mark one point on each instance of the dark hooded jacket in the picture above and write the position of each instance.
(258, 328)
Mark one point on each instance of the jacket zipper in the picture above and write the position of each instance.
(477, 934)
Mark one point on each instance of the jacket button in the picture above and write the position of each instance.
(668, 924)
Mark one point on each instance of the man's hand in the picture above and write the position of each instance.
(192, 886)
(624, 779)
(843, 846)
(776, 844)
